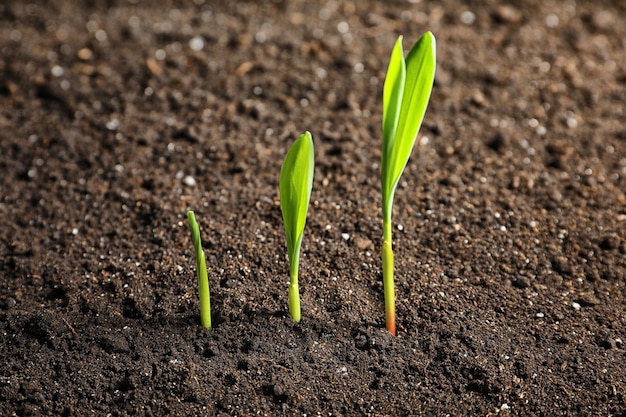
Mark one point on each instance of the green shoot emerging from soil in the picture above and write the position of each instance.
(406, 92)
(203, 279)
(296, 182)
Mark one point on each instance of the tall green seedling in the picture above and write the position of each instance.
(203, 279)
(406, 92)
(296, 182)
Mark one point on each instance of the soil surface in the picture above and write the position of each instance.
(116, 117)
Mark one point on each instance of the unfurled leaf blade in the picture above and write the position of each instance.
(392, 99)
(392, 91)
(296, 182)
(420, 75)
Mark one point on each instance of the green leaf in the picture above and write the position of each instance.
(413, 94)
(296, 183)
(392, 94)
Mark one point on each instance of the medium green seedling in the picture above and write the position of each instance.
(203, 278)
(406, 93)
(295, 184)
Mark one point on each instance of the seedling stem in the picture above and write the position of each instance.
(295, 184)
(406, 93)
(203, 279)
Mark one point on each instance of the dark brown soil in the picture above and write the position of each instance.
(116, 117)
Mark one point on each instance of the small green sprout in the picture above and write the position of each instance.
(406, 92)
(295, 184)
(203, 279)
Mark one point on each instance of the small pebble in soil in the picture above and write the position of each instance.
(571, 122)
(57, 71)
(101, 35)
(468, 17)
(113, 124)
(552, 20)
(160, 54)
(507, 14)
(540, 315)
(189, 181)
(345, 236)
(196, 43)
(602, 20)
(576, 305)
(85, 54)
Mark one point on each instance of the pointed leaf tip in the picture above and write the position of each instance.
(420, 74)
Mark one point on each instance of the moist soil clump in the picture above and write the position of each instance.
(509, 225)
